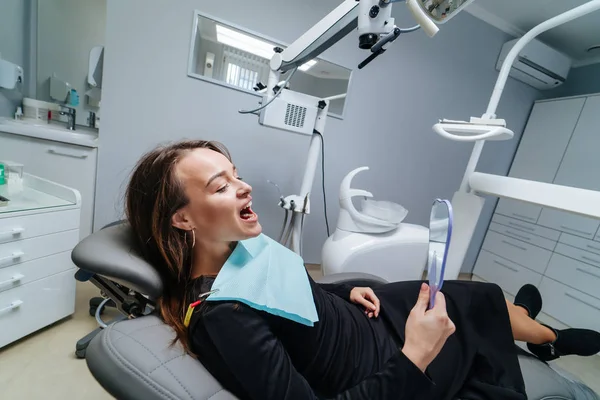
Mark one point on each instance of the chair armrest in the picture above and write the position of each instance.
(353, 278)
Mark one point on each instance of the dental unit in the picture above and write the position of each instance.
(300, 113)
(304, 114)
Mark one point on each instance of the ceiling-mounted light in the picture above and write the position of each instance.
(245, 42)
(307, 65)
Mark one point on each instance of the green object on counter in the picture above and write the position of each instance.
(2, 180)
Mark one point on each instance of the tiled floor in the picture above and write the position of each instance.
(44, 366)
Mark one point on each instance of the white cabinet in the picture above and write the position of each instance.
(559, 252)
(509, 275)
(38, 230)
(541, 149)
(67, 164)
(579, 168)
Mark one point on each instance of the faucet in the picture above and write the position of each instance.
(71, 114)
(91, 120)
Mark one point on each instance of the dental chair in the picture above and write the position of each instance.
(133, 359)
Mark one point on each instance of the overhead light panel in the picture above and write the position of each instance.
(307, 65)
(244, 42)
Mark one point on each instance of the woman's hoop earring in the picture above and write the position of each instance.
(193, 237)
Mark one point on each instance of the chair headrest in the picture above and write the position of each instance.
(113, 254)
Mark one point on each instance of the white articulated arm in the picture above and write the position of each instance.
(328, 31)
(575, 200)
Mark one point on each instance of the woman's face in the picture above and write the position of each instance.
(219, 201)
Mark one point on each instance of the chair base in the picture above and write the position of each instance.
(82, 344)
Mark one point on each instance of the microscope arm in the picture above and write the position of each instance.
(324, 34)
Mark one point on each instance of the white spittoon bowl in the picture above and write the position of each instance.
(384, 210)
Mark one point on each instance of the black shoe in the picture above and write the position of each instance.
(581, 342)
(530, 299)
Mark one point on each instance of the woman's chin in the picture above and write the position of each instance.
(257, 229)
(252, 230)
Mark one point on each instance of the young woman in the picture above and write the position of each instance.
(188, 208)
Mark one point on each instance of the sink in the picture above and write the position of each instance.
(50, 131)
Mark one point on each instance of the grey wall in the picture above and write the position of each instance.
(582, 80)
(13, 27)
(392, 106)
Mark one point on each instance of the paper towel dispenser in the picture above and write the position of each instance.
(94, 79)
(10, 74)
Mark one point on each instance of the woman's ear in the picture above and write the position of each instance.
(181, 221)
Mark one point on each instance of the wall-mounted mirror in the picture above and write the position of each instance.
(231, 56)
(70, 54)
(440, 231)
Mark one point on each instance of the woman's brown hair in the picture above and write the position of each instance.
(153, 196)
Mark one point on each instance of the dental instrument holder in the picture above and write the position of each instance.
(468, 201)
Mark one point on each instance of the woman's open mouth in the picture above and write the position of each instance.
(247, 214)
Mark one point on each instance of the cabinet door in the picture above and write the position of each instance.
(70, 165)
(579, 168)
(541, 149)
(508, 275)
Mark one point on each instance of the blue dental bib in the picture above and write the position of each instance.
(267, 276)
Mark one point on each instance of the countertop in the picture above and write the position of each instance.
(55, 131)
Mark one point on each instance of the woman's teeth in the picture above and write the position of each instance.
(247, 212)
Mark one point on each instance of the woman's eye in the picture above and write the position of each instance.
(223, 189)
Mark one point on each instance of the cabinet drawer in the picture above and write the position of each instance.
(506, 274)
(578, 254)
(525, 254)
(518, 209)
(524, 236)
(44, 223)
(580, 243)
(527, 227)
(24, 273)
(31, 307)
(569, 223)
(570, 306)
(575, 274)
(30, 249)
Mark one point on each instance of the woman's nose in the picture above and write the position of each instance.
(245, 189)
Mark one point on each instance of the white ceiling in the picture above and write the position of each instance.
(516, 17)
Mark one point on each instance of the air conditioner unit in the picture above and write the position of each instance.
(537, 65)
